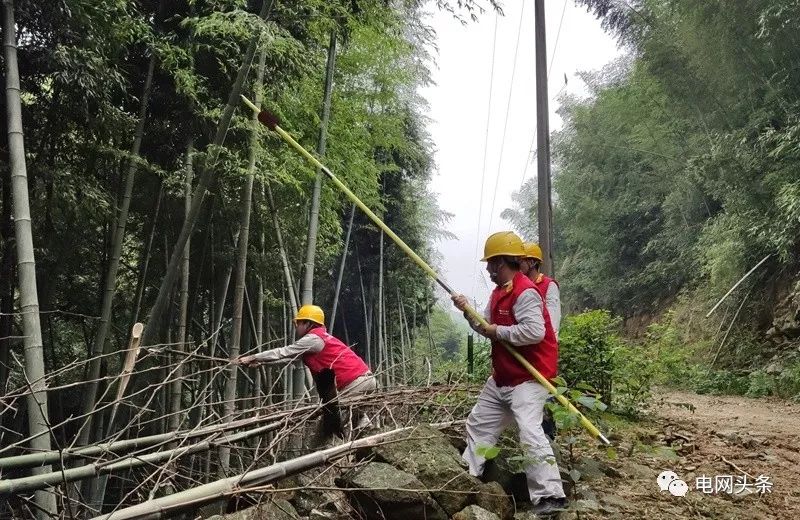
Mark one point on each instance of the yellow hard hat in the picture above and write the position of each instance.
(503, 243)
(311, 313)
(533, 251)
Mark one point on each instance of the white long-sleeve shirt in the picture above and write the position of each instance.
(552, 300)
(308, 343)
(529, 329)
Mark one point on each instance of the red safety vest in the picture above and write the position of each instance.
(542, 283)
(337, 356)
(506, 370)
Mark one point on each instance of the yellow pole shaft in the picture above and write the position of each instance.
(470, 311)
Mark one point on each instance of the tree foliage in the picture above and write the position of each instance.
(679, 171)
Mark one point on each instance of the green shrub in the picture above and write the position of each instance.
(593, 353)
(635, 371)
(587, 345)
(760, 384)
(672, 355)
(708, 381)
(787, 383)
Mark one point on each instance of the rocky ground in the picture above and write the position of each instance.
(420, 475)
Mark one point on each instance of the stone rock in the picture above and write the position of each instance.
(505, 473)
(276, 510)
(307, 500)
(428, 454)
(318, 514)
(492, 497)
(390, 493)
(743, 494)
(590, 469)
(612, 472)
(786, 317)
(586, 505)
(776, 367)
(634, 470)
(475, 513)
(613, 501)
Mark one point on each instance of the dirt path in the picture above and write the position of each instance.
(695, 436)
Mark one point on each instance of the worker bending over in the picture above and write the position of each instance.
(516, 315)
(320, 351)
(332, 363)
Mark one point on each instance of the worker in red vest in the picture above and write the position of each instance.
(548, 288)
(530, 266)
(517, 316)
(319, 350)
(330, 361)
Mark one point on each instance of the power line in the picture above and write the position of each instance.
(508, 109)
(485, 148)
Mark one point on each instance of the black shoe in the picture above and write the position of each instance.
(550, 505)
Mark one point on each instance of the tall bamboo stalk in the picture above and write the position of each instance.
(288, 380)
(258, 383)
(341, 268)
(382, 361)
(287, 273)
(307, 296)
(400, 322)
(100, 344)
(290, 287)
(144, 258)
(38, 422)
(409, 350)
(6, 282)
(241, 270)
(367, 353)
(176, 390)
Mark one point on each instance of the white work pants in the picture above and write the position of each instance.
(495, 409)
(364, 384)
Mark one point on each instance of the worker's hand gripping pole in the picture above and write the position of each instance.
(270, 121)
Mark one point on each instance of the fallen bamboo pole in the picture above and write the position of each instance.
(195, 497)
(45, 480)
(44, 458)
(117, 447)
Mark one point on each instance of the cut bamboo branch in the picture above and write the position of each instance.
(98, 489)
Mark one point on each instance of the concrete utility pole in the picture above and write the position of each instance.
(544, 211)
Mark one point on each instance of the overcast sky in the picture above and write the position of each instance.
(459, 105)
